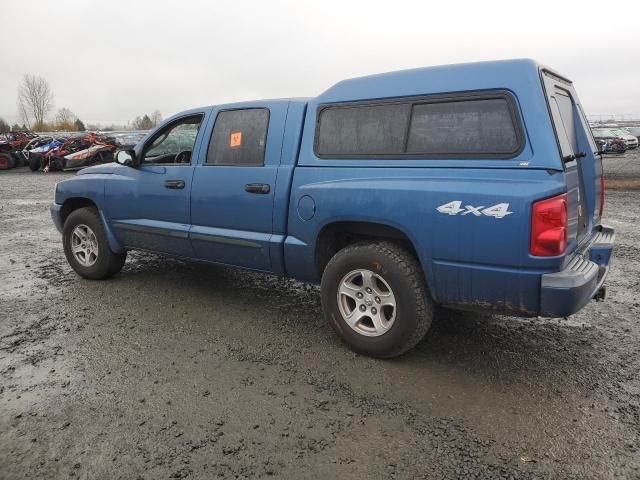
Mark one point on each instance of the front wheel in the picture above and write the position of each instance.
(374, 296)
(86, 246)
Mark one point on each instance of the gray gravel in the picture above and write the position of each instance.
(625, 166)
(177, 370)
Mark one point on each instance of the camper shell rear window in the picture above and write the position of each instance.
(470, 125)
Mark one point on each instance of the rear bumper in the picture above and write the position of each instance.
(564, 293)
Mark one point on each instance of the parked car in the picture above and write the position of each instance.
(72, 152)
(608, 140)
(633, 130)
(613, 132)
(11, 144)
(630, 140)
(456, 186)
(611, 145)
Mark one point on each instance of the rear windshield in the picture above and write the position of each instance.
(464, 127)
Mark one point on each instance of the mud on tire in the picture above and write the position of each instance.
(107, 263)
(400, 271)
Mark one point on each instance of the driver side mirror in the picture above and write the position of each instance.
(126, 158)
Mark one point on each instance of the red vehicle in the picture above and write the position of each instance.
(74, 153)
(9, 147)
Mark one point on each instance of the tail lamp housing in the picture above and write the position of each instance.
(549, 225)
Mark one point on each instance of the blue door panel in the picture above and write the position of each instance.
(231, 225)
(143, 212)
(147, 215)
(155, 235)
(232, 247)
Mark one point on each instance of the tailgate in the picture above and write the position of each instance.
(578, 152)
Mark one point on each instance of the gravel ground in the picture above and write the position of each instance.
(176, 370)
(625, 166)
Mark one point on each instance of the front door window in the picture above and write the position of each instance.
(173, 145)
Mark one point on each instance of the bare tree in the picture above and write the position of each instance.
(65, 119)
(4, 126)
(24, 116)
(65, 115)
(156, 118)
(35, 99)
(142, 123)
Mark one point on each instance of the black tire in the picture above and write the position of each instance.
(402, 272)
(107, 262)
(18, 160)
(35, 161)
(57, 164)
(7, 161)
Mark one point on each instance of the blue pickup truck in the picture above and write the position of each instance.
(472, 186)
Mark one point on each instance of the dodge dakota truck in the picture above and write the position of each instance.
(471, 186)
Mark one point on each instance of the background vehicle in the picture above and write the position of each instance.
(634, 130)
(71, 152)
(630, 139)
(615, 132)
(396, 192)
(10, 146)
(610, 140)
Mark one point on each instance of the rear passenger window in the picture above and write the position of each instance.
(239, 137)
(466, 127)
(421, 128)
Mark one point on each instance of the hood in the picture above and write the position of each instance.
(105, 168)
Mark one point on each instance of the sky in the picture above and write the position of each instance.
(111, 61)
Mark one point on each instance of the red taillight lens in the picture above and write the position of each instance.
(549, 222)
(602, 184)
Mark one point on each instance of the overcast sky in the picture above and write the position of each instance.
(110, 61)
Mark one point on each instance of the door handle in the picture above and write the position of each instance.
(257, 188)
(176, 184)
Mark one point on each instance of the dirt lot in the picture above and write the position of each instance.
(176, 370)
(623, 171)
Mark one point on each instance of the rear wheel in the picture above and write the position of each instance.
(86, 246)
(374, 296)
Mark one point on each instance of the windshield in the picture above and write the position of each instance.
(603, 132)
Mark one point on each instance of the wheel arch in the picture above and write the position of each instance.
(336, 235)
(74, 203)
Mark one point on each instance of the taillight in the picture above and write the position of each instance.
(602, 183)
(549, 222)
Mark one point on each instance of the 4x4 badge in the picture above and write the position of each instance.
(499, 210)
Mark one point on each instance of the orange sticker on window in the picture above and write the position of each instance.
(235, 140)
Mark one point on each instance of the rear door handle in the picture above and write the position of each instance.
(257, 188)
(176, 184)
